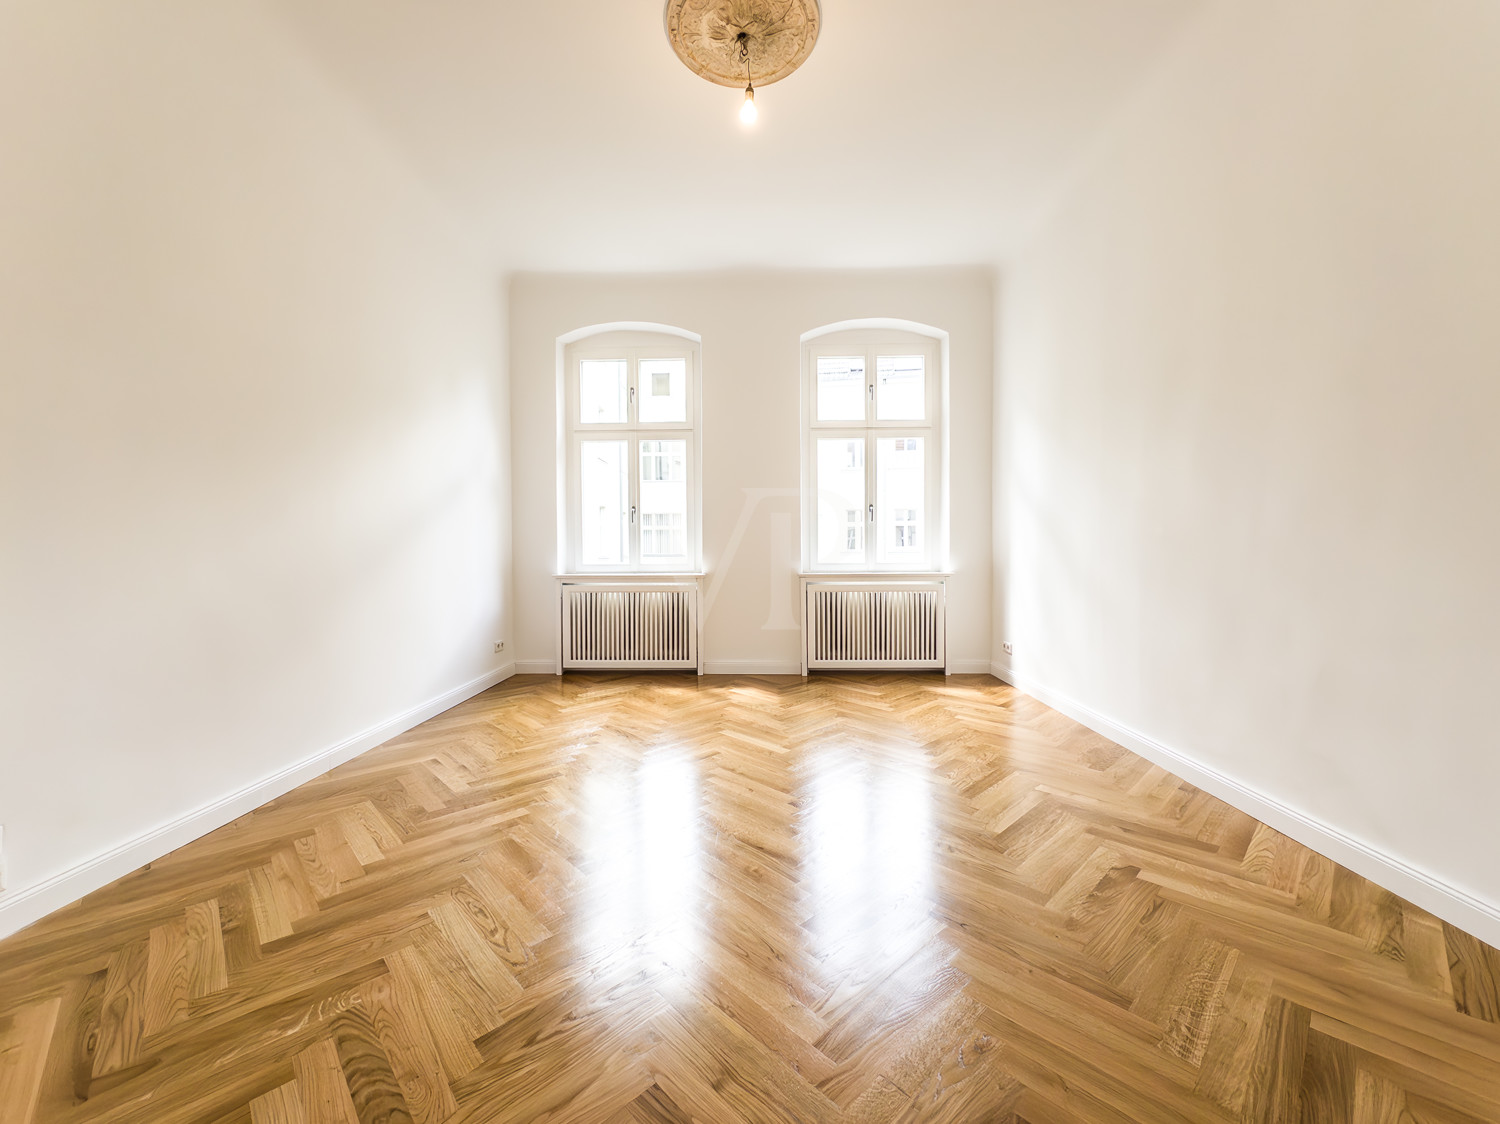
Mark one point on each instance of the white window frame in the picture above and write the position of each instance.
(872, 344)
(635, 348)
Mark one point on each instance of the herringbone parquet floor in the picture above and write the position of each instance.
(666, 899)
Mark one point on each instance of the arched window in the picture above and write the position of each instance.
(873, 453)
(631, 407)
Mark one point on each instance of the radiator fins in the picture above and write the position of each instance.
(629, 628)
(874, 627)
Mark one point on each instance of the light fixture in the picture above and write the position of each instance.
(743, 43)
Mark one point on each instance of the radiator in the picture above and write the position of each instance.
(875, 625)
(630, 625)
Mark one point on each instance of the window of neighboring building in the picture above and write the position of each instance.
(632, 454)
(873, 448)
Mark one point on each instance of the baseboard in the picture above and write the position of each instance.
(751, 667)
(1458, 907)
(710, 667)
(969, 667)
(21, 907)
(536, 667)
(792, 667)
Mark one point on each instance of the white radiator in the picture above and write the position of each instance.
(630, 625)
(875, 625)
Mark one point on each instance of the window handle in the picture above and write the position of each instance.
(872, 513)
(632, 396)
(632, 515)
(872, 392)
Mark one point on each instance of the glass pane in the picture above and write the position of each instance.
(841, 500)
(900, 388)
(901, 500)
(601, 391)
(664, 501)
(662, 390)
(604, 503)
(841, 388)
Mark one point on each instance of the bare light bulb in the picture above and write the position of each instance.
(748, 112)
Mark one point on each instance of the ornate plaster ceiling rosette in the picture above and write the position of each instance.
(734, 41)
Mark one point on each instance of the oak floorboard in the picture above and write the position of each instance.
(655, 899)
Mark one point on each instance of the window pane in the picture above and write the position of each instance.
(601, 391)
(900, 388)
(901, 499)
(662, 392)
(664, 501)
(841, 500)
(841, 388)
(605, 482)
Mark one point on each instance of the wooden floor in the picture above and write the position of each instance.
(670, 899)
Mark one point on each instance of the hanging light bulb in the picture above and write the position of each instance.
(739, 44)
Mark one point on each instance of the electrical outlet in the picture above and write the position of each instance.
(1008, 648)
(499, 646)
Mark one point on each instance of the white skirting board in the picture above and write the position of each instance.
(792, 667)
(752, 667)
(968, 667)
(1473, 914)
(536, 667)
(19, 908)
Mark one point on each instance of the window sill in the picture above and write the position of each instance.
(884, 575)
(630, 575)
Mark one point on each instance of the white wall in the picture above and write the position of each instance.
(751, 325)
(1247, 414)
(252, 427)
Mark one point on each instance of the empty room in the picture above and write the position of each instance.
(749, 560)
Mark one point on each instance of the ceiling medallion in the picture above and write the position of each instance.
(745, 43)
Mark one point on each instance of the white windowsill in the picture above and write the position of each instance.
(631, 575)
(887, 575)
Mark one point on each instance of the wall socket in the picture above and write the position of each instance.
(499, 646)
(1008, 648)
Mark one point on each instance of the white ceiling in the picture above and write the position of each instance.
(923, 132)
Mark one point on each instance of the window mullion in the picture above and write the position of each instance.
(812, 491)
(872, 522)
(635, 501)
(574, 561)
(632, 387)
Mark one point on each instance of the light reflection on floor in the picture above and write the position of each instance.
(642, 852)
(867, 845)
(656, 826)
